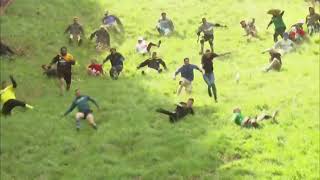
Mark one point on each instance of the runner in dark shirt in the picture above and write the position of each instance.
(102, 38)
(64, 61)
(75, 31)
(182, 110)
(116, 60)
(153, 63)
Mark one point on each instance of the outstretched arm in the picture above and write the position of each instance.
(107, 59)
(270, 23)
(92, 35)
(73, 105)
(143, 64)
(163, 63)
(177, 72)
(94, 102)
(281, 14)
(14, 83)
(67, 30)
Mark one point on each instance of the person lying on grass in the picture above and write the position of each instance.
(95, 69)
(81, 102)
(142, 47)
(187, 76)
(182, 110)
(250, 29)
(8, 97)
(275, 62)
(249, 122)
(153, 63)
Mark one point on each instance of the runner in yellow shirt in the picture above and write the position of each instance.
(8, 98)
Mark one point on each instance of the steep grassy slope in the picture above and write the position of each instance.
(133, 142)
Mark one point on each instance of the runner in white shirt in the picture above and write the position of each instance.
(142, 47)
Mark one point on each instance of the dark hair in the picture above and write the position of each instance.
(163, 13)
(191, 99)
(208, 50)
(62, 48)
(185, 59)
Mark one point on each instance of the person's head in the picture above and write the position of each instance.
(106, 13)
(164, 15)
(113, 50)
(207, 53)
(243, 24)
(77, 92)
(311, 10)
(186, 61)
(154, 55)
(75, 20)
(285, 36)
(4, 84)
(204, 20)
(236, 110)
(190, 102)
(63, 51)
(140, 39)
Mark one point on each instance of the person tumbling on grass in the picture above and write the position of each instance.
(208, 76)
(8, 98)
(279, 25)
(81, 102)
(75, 31)
(249, 122)
(207, 29)
(64, 62)
(249, 28)
(275, 62)
(116, 59)
(102, 38)
(187, 76)
(182, 110)
(153, 63)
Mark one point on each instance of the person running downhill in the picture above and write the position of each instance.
(182, 110)
(102, 38)
(75, 31)
(165, 25)
(313, 21)
(64, 62)
(8, 97)
(95, 69)
(153, 63)
(187, 76)
(207, 29)
(81, 102)
(249, 122)
(142, 47)
(112, 22)
(279, 25)
(116, 60)
(208, 76)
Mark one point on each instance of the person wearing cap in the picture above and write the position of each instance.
(64, 62)
(82, 103)
(95, 69)
(275, 62)
(165, 25)
(142, 47)
(207, 29)
(313, 21)
(279, 25)
(116, 59)
(187, 76)
(249, 122)
(249, 28)
(102, 38)
(284, 45)
(112, 22)
(75, 31)
(153, 63)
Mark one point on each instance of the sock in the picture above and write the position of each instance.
(29, 106)
(94, 126)
(78, 124)
(209, 91)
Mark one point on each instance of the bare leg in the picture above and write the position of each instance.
(61, 86)
(179, 89)
(79, 116)
(90, 119)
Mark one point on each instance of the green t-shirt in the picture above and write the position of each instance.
(278, 22)
(237, 118)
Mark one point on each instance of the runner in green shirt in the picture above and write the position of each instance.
(279, 26)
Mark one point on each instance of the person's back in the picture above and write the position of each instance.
(207, 62)
(278, 21)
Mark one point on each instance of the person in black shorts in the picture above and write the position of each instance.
(64, 62)
(116, 59)
(8, 98)
(182, 110)
(153, 63)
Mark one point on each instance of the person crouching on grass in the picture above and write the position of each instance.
(81, 102)
(95, 69)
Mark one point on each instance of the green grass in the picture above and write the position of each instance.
(133, 142)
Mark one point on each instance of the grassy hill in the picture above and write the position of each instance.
(133, 142)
